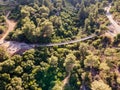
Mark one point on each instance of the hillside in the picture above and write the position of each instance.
(59, 45)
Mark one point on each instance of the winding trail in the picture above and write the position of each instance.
(11, 25)
(116, 31)
(13, 46)
(112, 21)
(66, 80)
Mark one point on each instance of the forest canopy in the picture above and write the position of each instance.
(89, 65)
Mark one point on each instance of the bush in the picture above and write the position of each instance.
(1, 29)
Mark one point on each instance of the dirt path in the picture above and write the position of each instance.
(11, 25)
(66, 80)
(116, 28)
(13, 46)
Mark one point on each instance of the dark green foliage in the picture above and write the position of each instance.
(2, 24)
(55, 20)
(86, 65)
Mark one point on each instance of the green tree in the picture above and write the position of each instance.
(44, 11)
(27, 10)
(99, 85)
(104, 66)
(46, 29)
(15, 84)
(7, 66)
(69, 62)
(58, 86)
(18, 70)
(92, 61)
(3, 54)
(53, 61)
(30, 31)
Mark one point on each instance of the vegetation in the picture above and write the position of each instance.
(93, 64)
(116, 10)
(57, 20)
(2, 24)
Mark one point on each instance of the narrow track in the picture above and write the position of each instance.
(117, 30)
(13, 46)
(112, 21)
(10, 24)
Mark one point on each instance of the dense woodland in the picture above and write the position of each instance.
(2, 24)
(57, 20)
(92, 65)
